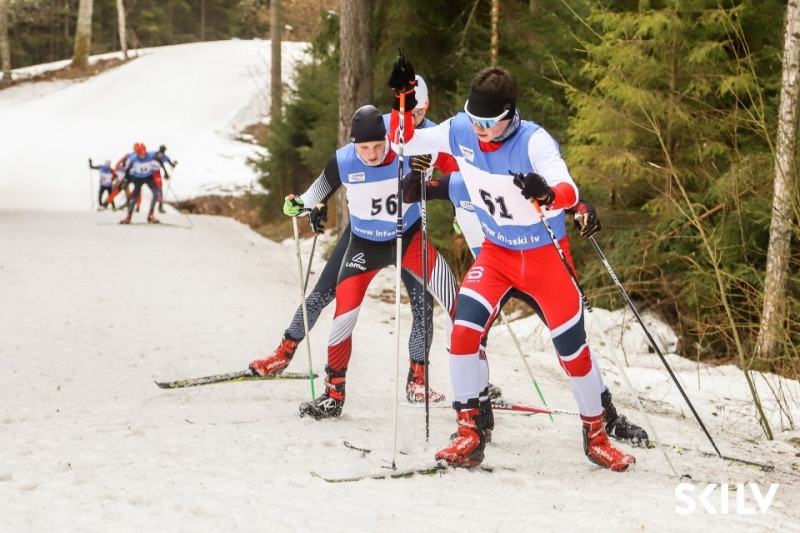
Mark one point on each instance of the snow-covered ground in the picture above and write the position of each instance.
(93, 312)
(193, 98)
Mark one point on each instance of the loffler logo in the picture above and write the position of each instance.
(357, 262)
(356, 177)
(714, 503)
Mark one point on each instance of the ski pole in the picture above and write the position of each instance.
(605, 341)
(638, 399)
(191, 225)
(423, 216)
(399, 263)
(303, 303)
(561, 254)
(651, 340)
(310, 260)
(524, 360)
(518, 346)
(91, 191)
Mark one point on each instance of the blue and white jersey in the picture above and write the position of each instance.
(465, 213)
(142, 167)
(106, 175)
(372, 197)
(506, 217)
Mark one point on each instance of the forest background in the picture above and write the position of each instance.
(667, 113)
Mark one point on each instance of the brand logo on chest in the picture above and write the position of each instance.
(358, 176)
(468, 154)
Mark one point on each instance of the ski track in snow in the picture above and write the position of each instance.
(93, 312)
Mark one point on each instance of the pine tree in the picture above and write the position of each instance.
(672, 134)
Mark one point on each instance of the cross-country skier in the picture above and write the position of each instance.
(367, 168)
(139, 168)
(509, 163)
(452, 187)
(121, 183)
(163, 159)
(325, 290)
(106, 181)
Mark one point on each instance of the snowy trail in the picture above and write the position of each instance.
(100, 310)
(193, 98)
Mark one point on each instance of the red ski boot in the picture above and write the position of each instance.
(466, 450)
(151, 219)
(126, 220)
(277, 361)
(415, 386)
(599, 450)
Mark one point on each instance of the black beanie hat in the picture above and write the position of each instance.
(367, 125)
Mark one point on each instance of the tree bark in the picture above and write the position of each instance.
(123, 33)
(5, 47)
(276, 82)
(83, 34)
(778, 251)
(355, 77)
(202, 20)
(495, 38)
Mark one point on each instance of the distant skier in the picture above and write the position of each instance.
(106, 181)
(121, 184)
(163, 159)
(139, 168)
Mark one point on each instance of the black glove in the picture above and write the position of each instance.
(174, 164)
(317, 216)
(402, 80)
(90, 163)
(586, 220)
(166, 174)
(534, 186)
(412, 187)
(420, 163)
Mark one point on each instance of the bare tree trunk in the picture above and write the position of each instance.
(5, 47)
(495, 39)
(533, 8)
(202, 20)
(777, 271)
(83, 34)
(355, 77)
(276, 82)
(123, 34)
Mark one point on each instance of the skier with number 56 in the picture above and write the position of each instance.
(515, 168)
(324, 291)
(368, 170)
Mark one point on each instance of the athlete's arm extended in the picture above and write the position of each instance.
(420, 141)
